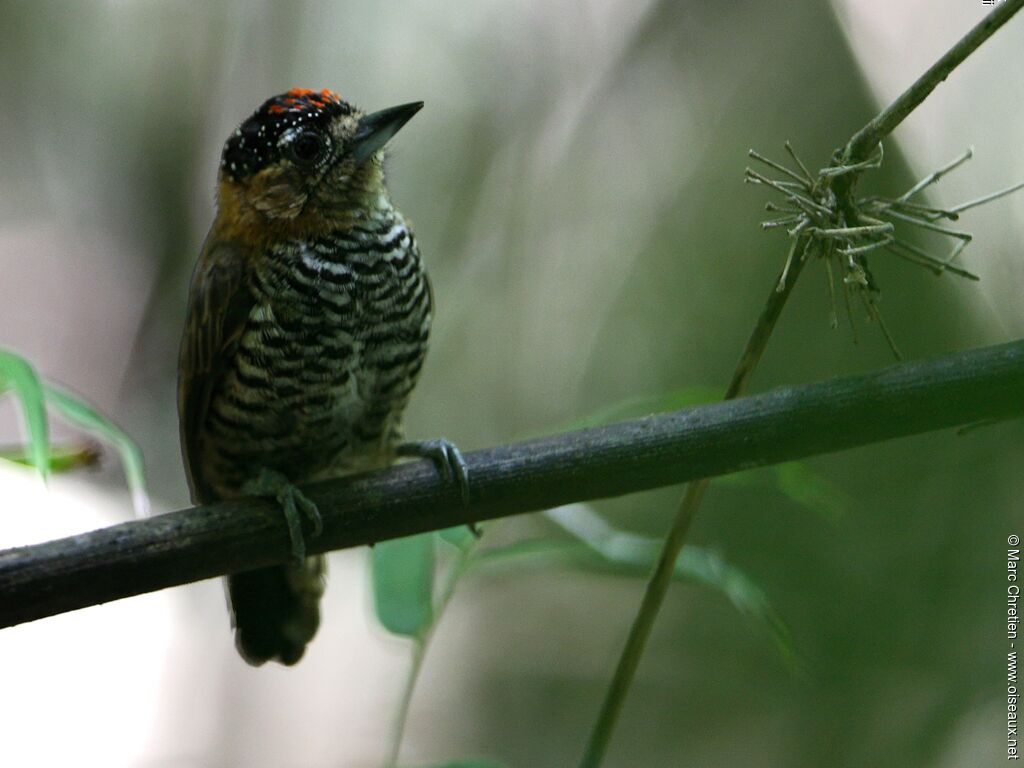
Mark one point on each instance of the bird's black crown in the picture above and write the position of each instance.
(254, 144)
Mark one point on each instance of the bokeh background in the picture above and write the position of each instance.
(575, 181)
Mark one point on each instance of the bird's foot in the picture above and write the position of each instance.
(449, 461)
(294, 503)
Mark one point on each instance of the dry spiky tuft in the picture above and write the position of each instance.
(842, 232)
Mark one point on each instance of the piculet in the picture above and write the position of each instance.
(308, 317)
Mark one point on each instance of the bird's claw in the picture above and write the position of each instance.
(450, 463)
(294, 503)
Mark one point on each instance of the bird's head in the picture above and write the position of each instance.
(305, 161)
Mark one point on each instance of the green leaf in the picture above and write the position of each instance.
(17, 375)
(403, 584)
(811, 490)
(636, 560)
(473, 763)
(459, 537)
(600, 546)
(63, 458)
(78, 412)
(711, 569)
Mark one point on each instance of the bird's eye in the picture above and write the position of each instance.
(307, 148)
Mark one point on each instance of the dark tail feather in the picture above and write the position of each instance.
(276, 611)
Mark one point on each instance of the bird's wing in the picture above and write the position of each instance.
(218, 307)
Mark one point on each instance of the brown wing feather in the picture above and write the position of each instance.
(218, 307)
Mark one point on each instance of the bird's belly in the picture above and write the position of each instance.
(321, 373)
(290, 405)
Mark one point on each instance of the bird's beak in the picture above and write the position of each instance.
(375, 130)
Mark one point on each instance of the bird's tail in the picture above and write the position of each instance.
(276, 610)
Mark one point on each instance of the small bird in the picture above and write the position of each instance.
(308, 317)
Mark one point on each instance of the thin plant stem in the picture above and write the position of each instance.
(857, 151)
(875, 315)
(420, 645)
(833, 316)
(848, 303)
(865, 140)
(986, 198)
(934, 176)
(784, 276)
(860, 250)
(661, 578)
(419, 652)
(863, 165)
(957, 233)
(801, 182)
(799, 162)
(843, 233)
(775, 223)
(912, 253)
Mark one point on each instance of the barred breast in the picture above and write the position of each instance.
(329, 355)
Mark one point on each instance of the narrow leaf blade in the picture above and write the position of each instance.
(84, 415)
(810, 490)
(630, 554)
(16, 374)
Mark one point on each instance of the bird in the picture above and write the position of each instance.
(308, 318)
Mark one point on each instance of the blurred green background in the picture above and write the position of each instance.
(575, 181)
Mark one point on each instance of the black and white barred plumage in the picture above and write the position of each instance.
(330, 352)
(309, 313)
